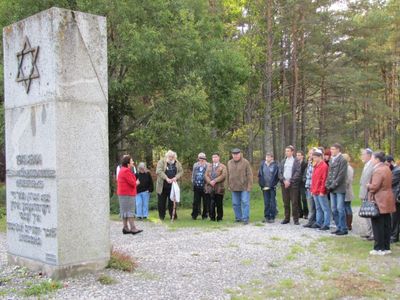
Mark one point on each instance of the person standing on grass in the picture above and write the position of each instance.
(168, 170)
(199, 169)
(145, 188)
(268, 178)
(336, 185)
(126, 191)
(215, 178)
(364, 180)
(349, 193)
(290, 176)
(307, 184)
(319, 192)
(240, 180)
(380, 192)
(395, 217)
(303, 208)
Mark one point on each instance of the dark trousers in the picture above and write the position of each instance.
(198, 195)
(162, 204)
(381, 230)
(216, 201)
(303, 207)
(270, 204)
(291, 196)
(395, 223)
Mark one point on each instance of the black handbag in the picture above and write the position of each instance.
(368, 209)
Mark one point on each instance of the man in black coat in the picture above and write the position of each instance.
(303, 208)
(336, 185)
(290, 177)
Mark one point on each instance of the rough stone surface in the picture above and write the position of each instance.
(58, 221)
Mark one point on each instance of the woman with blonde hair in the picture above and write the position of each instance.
(169, 170)
(349, 192)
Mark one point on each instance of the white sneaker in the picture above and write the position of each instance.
(377, 252)
(388, 252)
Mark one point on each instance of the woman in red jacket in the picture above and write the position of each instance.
(318, 190)
(126, 194)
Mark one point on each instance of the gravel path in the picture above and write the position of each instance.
(190, 263)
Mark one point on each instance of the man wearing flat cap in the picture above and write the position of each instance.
(240, 180)
(199, 170)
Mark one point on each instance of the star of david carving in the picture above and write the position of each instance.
(31, 71)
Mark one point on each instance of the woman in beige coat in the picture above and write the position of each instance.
(380, 191)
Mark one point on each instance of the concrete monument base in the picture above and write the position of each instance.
(59, 271)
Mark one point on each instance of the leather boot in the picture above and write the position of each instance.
(349, 221)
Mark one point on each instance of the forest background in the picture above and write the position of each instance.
(209, 75)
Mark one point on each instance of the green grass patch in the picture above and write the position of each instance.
(106, 280)
(41, 289)
(246, 262)
(121, 261)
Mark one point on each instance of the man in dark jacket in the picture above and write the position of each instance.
(290, 176)
(395, 217)
(303, 208)
(268, 179)
(336, 185)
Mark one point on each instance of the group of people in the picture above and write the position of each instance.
(325, 181)
(317, 188)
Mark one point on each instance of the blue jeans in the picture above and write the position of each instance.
(323, 211)
(347, 208)
(270, 204)
(338, 210)
(142, 204)
(241, 205)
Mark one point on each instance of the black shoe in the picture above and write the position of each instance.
(124, 231)
(271, 221)
(238, 221)
(324, 228)
(308, 225)
(194, 218)
(296, 223)
(315, 226)
(136, 232)
(212, 219)
(335, 232)
(245, 222)
(139, 218)
(342, 233)
(285, 222)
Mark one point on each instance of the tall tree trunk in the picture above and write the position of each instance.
(295, 82)
(268, 141)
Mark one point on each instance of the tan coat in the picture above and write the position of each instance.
(240, 175)
(219, 187)
(380, 189)
(161, 176)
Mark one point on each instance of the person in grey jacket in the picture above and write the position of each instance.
(366, 175)
(290, 177)
(336, 185)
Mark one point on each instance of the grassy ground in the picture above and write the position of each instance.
(344, 270)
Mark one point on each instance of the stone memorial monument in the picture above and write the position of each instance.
(55, 85)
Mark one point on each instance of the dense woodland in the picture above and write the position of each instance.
(207, 75)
